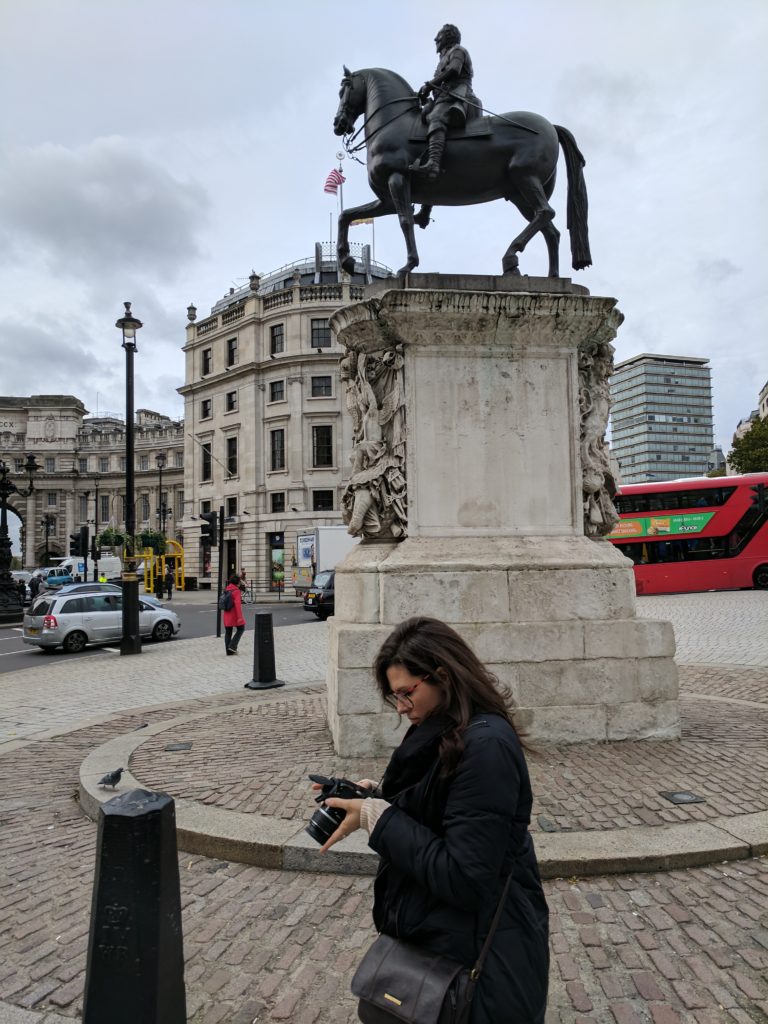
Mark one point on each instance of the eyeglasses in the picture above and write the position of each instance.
(402, 697)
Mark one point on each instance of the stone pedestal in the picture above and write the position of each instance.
(501, 429)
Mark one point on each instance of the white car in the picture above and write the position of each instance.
(73, 620)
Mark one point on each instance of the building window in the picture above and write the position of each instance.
(18, 465)
(104, 510)
(205, 506)
(277, 449)
(206, 407)
(104, 465)
(144, 506)
(52, 496)
(83, 509)
(277, 391)
(231, 507)
(322, 501)
(232, 456)
(231, 401)
(322, 387)
(50, 465)
(143, 462)
(321, 334)
(206, 461)
(231, 351)
(123, 463)
(179, 504)
(277, 501)
(322, 446)
(179, 460)
(82, 465)
(206, 361)
(276, 339)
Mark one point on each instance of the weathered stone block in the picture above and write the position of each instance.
(636, 720)
(657, 679)
(630, 638)
(552, 594)
(368, 735)
(563, 724)
(544, 684)
(357, 596)
(455, 597)
(525, 641)
(356, 645)
(357, 693)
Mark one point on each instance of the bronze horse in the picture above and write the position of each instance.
(516, 160)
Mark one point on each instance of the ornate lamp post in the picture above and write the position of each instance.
(162, 508)
(131, 639)
(11, 609)
(47, 522)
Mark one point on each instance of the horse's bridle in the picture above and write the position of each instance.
(348, 141)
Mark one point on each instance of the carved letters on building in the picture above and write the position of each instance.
(598, 485)
(374, 503)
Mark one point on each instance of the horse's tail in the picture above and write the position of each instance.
(578, 203)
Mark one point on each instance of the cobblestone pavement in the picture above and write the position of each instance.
(682, 947)
(589, 786)
(726, 628)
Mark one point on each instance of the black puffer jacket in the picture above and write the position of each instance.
(447, 847)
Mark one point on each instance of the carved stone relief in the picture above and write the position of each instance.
(374, 503)
(598, 485)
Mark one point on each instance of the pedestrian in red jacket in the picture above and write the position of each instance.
(233, 619)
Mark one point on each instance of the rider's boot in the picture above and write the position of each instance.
(436, 147)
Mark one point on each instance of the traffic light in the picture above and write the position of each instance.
(209, 534)
(760, 498)
(95, 551)
(74, 544)
(82, 546)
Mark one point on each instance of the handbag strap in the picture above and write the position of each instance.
(474, 974)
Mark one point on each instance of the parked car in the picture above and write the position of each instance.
(106, 588)
(320, 596)
(73, 620)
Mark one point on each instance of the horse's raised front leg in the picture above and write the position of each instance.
(378, 208)
(531, 200)
(400, 190)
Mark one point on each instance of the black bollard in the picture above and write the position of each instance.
(135, 969)
(263, 655)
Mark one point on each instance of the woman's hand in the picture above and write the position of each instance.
(350, 824)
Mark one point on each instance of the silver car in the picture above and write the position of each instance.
(73, 620)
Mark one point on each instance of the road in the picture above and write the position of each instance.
(196, 620)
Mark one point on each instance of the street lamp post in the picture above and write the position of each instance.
(11, 608)
(47, 522)
(131, 639)
(162, 509)
(95, 548)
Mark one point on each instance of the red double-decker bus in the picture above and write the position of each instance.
(696, 534)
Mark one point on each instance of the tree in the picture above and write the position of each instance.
(750, 452)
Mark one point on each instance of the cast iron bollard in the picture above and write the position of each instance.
(135, 970)
(263, 655)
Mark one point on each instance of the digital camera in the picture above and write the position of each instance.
(326, 820)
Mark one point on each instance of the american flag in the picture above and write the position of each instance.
(332, 182)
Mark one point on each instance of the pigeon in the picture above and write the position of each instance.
(111, 778)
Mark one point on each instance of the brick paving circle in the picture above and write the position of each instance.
(256, 759)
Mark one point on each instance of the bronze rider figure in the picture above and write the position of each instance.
(451, 90)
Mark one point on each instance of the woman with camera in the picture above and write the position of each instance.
(450, 823)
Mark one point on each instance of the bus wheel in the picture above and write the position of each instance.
(760, 577)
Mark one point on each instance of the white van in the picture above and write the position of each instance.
(109, 567)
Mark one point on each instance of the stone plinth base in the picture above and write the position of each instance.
(553, 618)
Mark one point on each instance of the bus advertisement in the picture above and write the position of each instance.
(702, 533)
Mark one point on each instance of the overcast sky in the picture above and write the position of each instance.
(157, 151)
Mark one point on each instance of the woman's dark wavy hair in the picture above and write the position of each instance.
(431, 650)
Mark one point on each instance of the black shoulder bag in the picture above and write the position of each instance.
(397, 983)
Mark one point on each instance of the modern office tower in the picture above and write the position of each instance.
(661, 417)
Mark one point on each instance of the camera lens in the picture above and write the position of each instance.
(324, 823)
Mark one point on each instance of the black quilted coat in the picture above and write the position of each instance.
(447, 847)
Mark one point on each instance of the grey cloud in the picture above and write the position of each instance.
(716, 270)
(96, 209)
(41, 358)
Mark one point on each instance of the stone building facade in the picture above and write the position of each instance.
(81, 479)
(267, 436)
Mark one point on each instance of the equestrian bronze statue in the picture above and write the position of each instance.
(474, 160)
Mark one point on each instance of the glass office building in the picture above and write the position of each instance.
(661, 417)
